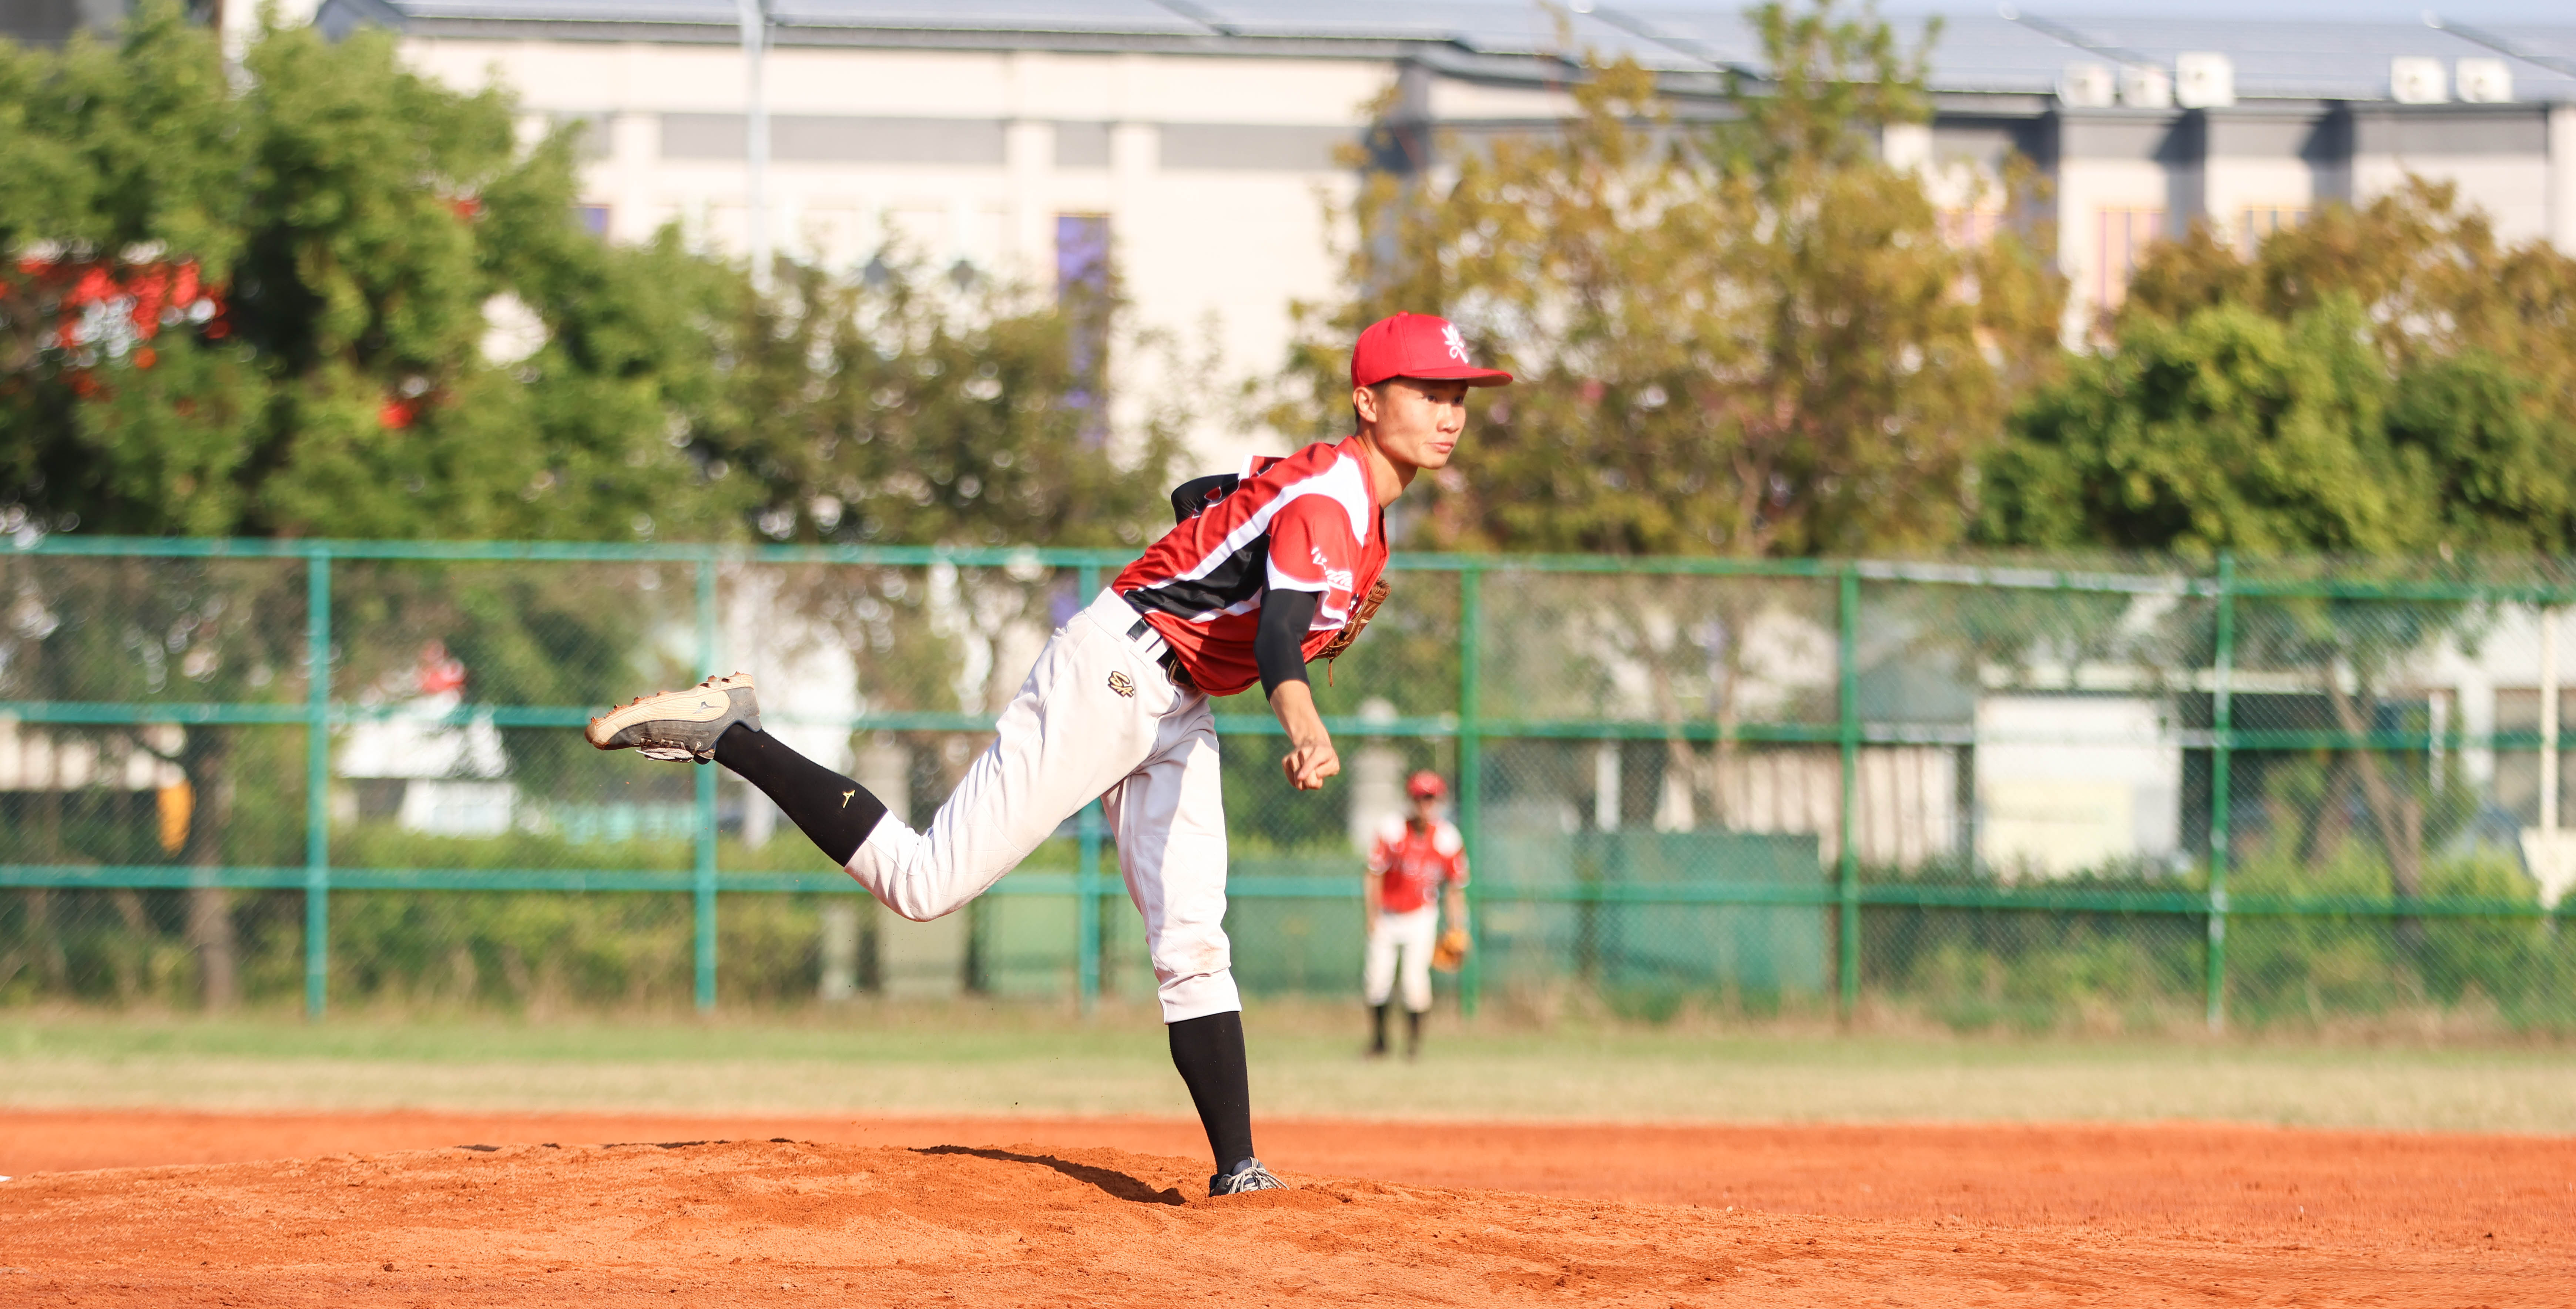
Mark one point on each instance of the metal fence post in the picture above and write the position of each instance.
(1471, 771)
(704, 884)
(2222, 730)
(1847, 869)
(1086, 873)
(317, 783)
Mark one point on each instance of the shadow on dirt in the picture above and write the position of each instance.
(1119, 1185)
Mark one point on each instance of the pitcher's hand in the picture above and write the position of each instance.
(1308, 764)
(1311, 757)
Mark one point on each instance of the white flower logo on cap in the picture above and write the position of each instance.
(1457, 344)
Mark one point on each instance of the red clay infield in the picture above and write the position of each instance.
(180, 1209)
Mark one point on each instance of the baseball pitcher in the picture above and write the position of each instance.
(1263, 573)
(1412, 858)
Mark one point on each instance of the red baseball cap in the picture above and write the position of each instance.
(1417, 345)
(1426, 785)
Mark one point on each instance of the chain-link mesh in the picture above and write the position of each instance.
(2112, 799)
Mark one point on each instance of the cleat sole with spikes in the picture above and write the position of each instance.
(678, 725)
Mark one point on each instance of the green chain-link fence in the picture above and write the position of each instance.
(2034, 796)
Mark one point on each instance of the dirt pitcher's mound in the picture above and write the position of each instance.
(789, 1221)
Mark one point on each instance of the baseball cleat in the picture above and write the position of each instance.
(1246, 1176)
(679, 724)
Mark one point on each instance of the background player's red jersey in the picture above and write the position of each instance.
(1304, 523)
(1411, 863)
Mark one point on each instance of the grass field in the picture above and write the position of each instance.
(999, 1059)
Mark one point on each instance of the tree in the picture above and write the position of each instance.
(2505, 455)
(2431, 278)
(897, 409)
(2382, 381)
(1751, 340)
(2385, 383)
(351, 224)
(2227, 430)
(260, 310)
(336, 298)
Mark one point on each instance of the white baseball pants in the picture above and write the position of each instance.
(1097, 717)
(1410, 933)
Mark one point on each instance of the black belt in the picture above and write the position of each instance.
(1169, 661)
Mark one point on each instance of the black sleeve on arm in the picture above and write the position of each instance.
(1279, 646)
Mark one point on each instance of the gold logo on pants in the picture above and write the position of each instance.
(1123, 685)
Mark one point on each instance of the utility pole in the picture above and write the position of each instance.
(755, 47)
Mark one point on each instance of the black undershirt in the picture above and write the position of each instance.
(1279, 644)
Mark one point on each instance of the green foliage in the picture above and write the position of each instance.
(2228, 430)
(2486, 430)
(1752, 340)
(523, 951)
(337, 298)
(2431, 278)
(107, 147)
(413, 337)
(354, 221)
(2386, 382)
(2320, 968)
(891, 410)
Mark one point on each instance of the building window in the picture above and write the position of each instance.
(1082, 295)
(2121, 238)
(594, 218)
(1081, 254)
(2255, 222)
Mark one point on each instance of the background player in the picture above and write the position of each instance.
(1410, 857)
(1245, 589)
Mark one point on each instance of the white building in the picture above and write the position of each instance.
(1209, 134)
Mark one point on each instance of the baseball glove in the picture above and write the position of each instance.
(1362, 610)
(1451, 950)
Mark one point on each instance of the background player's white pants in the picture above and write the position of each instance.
(1411, 933)
(1096, 717)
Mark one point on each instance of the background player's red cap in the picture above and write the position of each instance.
(1417, 345)
(1425, 785)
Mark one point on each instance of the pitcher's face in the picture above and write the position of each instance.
(1416, 422)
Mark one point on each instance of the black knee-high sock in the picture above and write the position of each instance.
(1377, 1027)
(1209, 1053)
(834, 811)
(1412, 1030)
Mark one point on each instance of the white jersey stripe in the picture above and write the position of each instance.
(1258, 525)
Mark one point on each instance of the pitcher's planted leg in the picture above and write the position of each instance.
(1209, 1054)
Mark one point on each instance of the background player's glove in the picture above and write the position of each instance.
(1451, 950)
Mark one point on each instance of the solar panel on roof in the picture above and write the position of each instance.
(1110, 16)
(621, 11)
(1485, 28)
(2552, 41)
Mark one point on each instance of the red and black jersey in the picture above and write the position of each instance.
(1304, 523)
